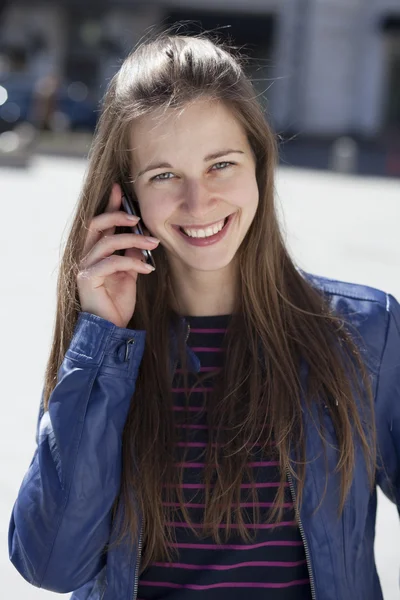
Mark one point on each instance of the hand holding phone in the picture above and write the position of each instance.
(132, 208)
(111, 262)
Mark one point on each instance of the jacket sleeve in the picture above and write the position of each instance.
(61, 520)
(388, 407)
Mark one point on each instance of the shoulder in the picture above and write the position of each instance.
(348, 291)
(369, 312)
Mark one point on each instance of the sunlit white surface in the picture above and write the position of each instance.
(341, 227)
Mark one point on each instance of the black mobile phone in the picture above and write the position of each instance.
(132, 208)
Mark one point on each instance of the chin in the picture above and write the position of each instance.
(209, 265)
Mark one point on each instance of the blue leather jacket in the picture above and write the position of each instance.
(61, 521)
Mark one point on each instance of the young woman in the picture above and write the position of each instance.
(216, 427)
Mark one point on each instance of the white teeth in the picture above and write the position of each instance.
(202, 233)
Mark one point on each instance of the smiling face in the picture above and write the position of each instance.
(195, 181)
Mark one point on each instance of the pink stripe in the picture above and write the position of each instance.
(189, 426)
(198, 465)
(207, 330)
(202, 370)
(242, 504)
(204, 444)
(196, 349)
(233, 546)
(230, 584)
(255, 563)
(178, 524)
(244, 486)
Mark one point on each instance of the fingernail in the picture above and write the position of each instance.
(149, 267)
(152, 239)
(132, 218)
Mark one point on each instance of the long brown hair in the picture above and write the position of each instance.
(280, 319)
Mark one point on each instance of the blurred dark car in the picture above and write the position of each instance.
(16, 100)
(77, 106)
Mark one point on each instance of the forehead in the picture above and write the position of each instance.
(196, 128)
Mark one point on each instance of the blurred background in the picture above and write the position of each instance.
(328, 76)
(328, 71)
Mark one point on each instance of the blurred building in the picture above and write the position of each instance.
(324, 67)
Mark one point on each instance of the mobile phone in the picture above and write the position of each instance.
(132, 208)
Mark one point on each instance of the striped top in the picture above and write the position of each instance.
(273, 566)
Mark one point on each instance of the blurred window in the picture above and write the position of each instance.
(82, 63)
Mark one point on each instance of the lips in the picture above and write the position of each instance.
(210, 240)
(203, 226)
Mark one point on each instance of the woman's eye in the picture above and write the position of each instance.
(222, 165)
(168, 175)
(162, 176)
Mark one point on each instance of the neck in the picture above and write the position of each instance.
(204, 293)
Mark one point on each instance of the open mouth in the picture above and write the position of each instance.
(210, 235)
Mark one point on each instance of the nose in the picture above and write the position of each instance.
(198, 200)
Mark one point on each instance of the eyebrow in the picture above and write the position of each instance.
(207, 158)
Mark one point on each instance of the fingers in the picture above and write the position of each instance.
(114, 204)
(106, 222)
(98, 272)
(98, 226)
(107, 245)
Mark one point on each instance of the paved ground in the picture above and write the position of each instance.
(341, 227)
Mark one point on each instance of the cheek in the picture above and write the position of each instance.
(154, 212)
(246, 194)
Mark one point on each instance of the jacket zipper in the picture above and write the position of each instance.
(187, 332)
(301, 529)
(303, 537)
(300, 524)
(135, 587)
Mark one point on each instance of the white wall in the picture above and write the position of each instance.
(346, 67)
(373, 67)
(330, 67)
